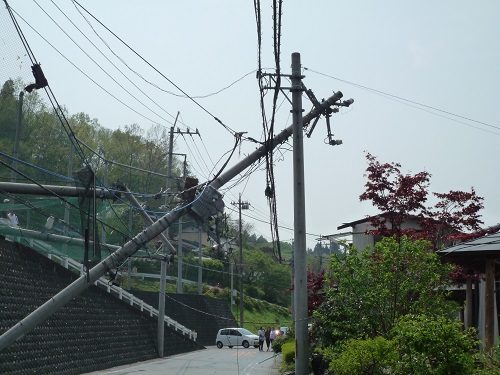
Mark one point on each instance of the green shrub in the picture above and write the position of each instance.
(279, 341)
(249, 303)
(288, 350)
(489, 364)
(370, 356)
(254, 291)
(433, 345)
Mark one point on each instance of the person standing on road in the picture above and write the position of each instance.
(262, 338)
(267, 335)
(272, 336)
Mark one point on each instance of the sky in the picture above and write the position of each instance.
(423, 75)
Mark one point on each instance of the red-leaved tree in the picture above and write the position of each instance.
(396, 195)
(315, 284)
(455, 217)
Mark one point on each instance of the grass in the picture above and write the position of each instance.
(263, 314)
(257, 313)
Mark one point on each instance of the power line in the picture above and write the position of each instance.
(97, 48)
(85, 74)
(155, 85)
(156, 70)
(413, 102)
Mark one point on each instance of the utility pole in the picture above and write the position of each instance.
(300, 272)
(18, 136)
(292, 300)
(231, 264)
(169, 188)
(200, 263)
(179, 258)
(241, 206)
(170, 157)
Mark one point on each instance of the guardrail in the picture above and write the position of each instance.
(77, 267)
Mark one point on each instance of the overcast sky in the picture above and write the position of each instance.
(424, 77)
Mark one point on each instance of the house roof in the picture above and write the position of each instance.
(354, 223)
(472, 254)
(486, 244)
(367, 219)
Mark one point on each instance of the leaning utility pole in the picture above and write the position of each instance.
(241, 206)
(163, 266)
(207, 203)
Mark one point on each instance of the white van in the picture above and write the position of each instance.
(236, 337)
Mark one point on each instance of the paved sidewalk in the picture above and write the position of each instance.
(276, 365)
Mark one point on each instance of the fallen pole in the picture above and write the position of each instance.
(51, 190)
(43, 312)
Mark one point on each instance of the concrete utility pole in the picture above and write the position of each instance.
(200, 204)
(50, 190)
(169, 188)
(200, 263)
(179, 258)
(231, 265)
(292, 300)
(163, 268)
(17, 137)
(241, 206)
(300, 272)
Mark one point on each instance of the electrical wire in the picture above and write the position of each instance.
(101, 68)
(418, 105)
(157, 71)
(153, 84)
(85, 74)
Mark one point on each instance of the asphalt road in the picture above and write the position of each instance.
(223, 361)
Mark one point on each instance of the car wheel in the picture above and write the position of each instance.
(246, 344)
(219, 344)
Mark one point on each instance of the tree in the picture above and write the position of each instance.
(399, 197)
(275, 283)
(261, 239)
(368, 293)
(8, 116)
(263, 270)
(454, 218)
(8, 109)
(315, 288)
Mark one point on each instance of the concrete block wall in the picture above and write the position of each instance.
(95, 331)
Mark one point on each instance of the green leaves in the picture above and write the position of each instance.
(372, 290)
(371, 356)
(433, 345)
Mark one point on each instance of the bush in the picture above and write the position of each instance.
(254, 291)
(279, 341)
(371, 356)
(433, 345)
(288, 350)
(250, 303)
(489, 363)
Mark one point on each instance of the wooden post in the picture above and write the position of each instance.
(468, 304)
(489, 305)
